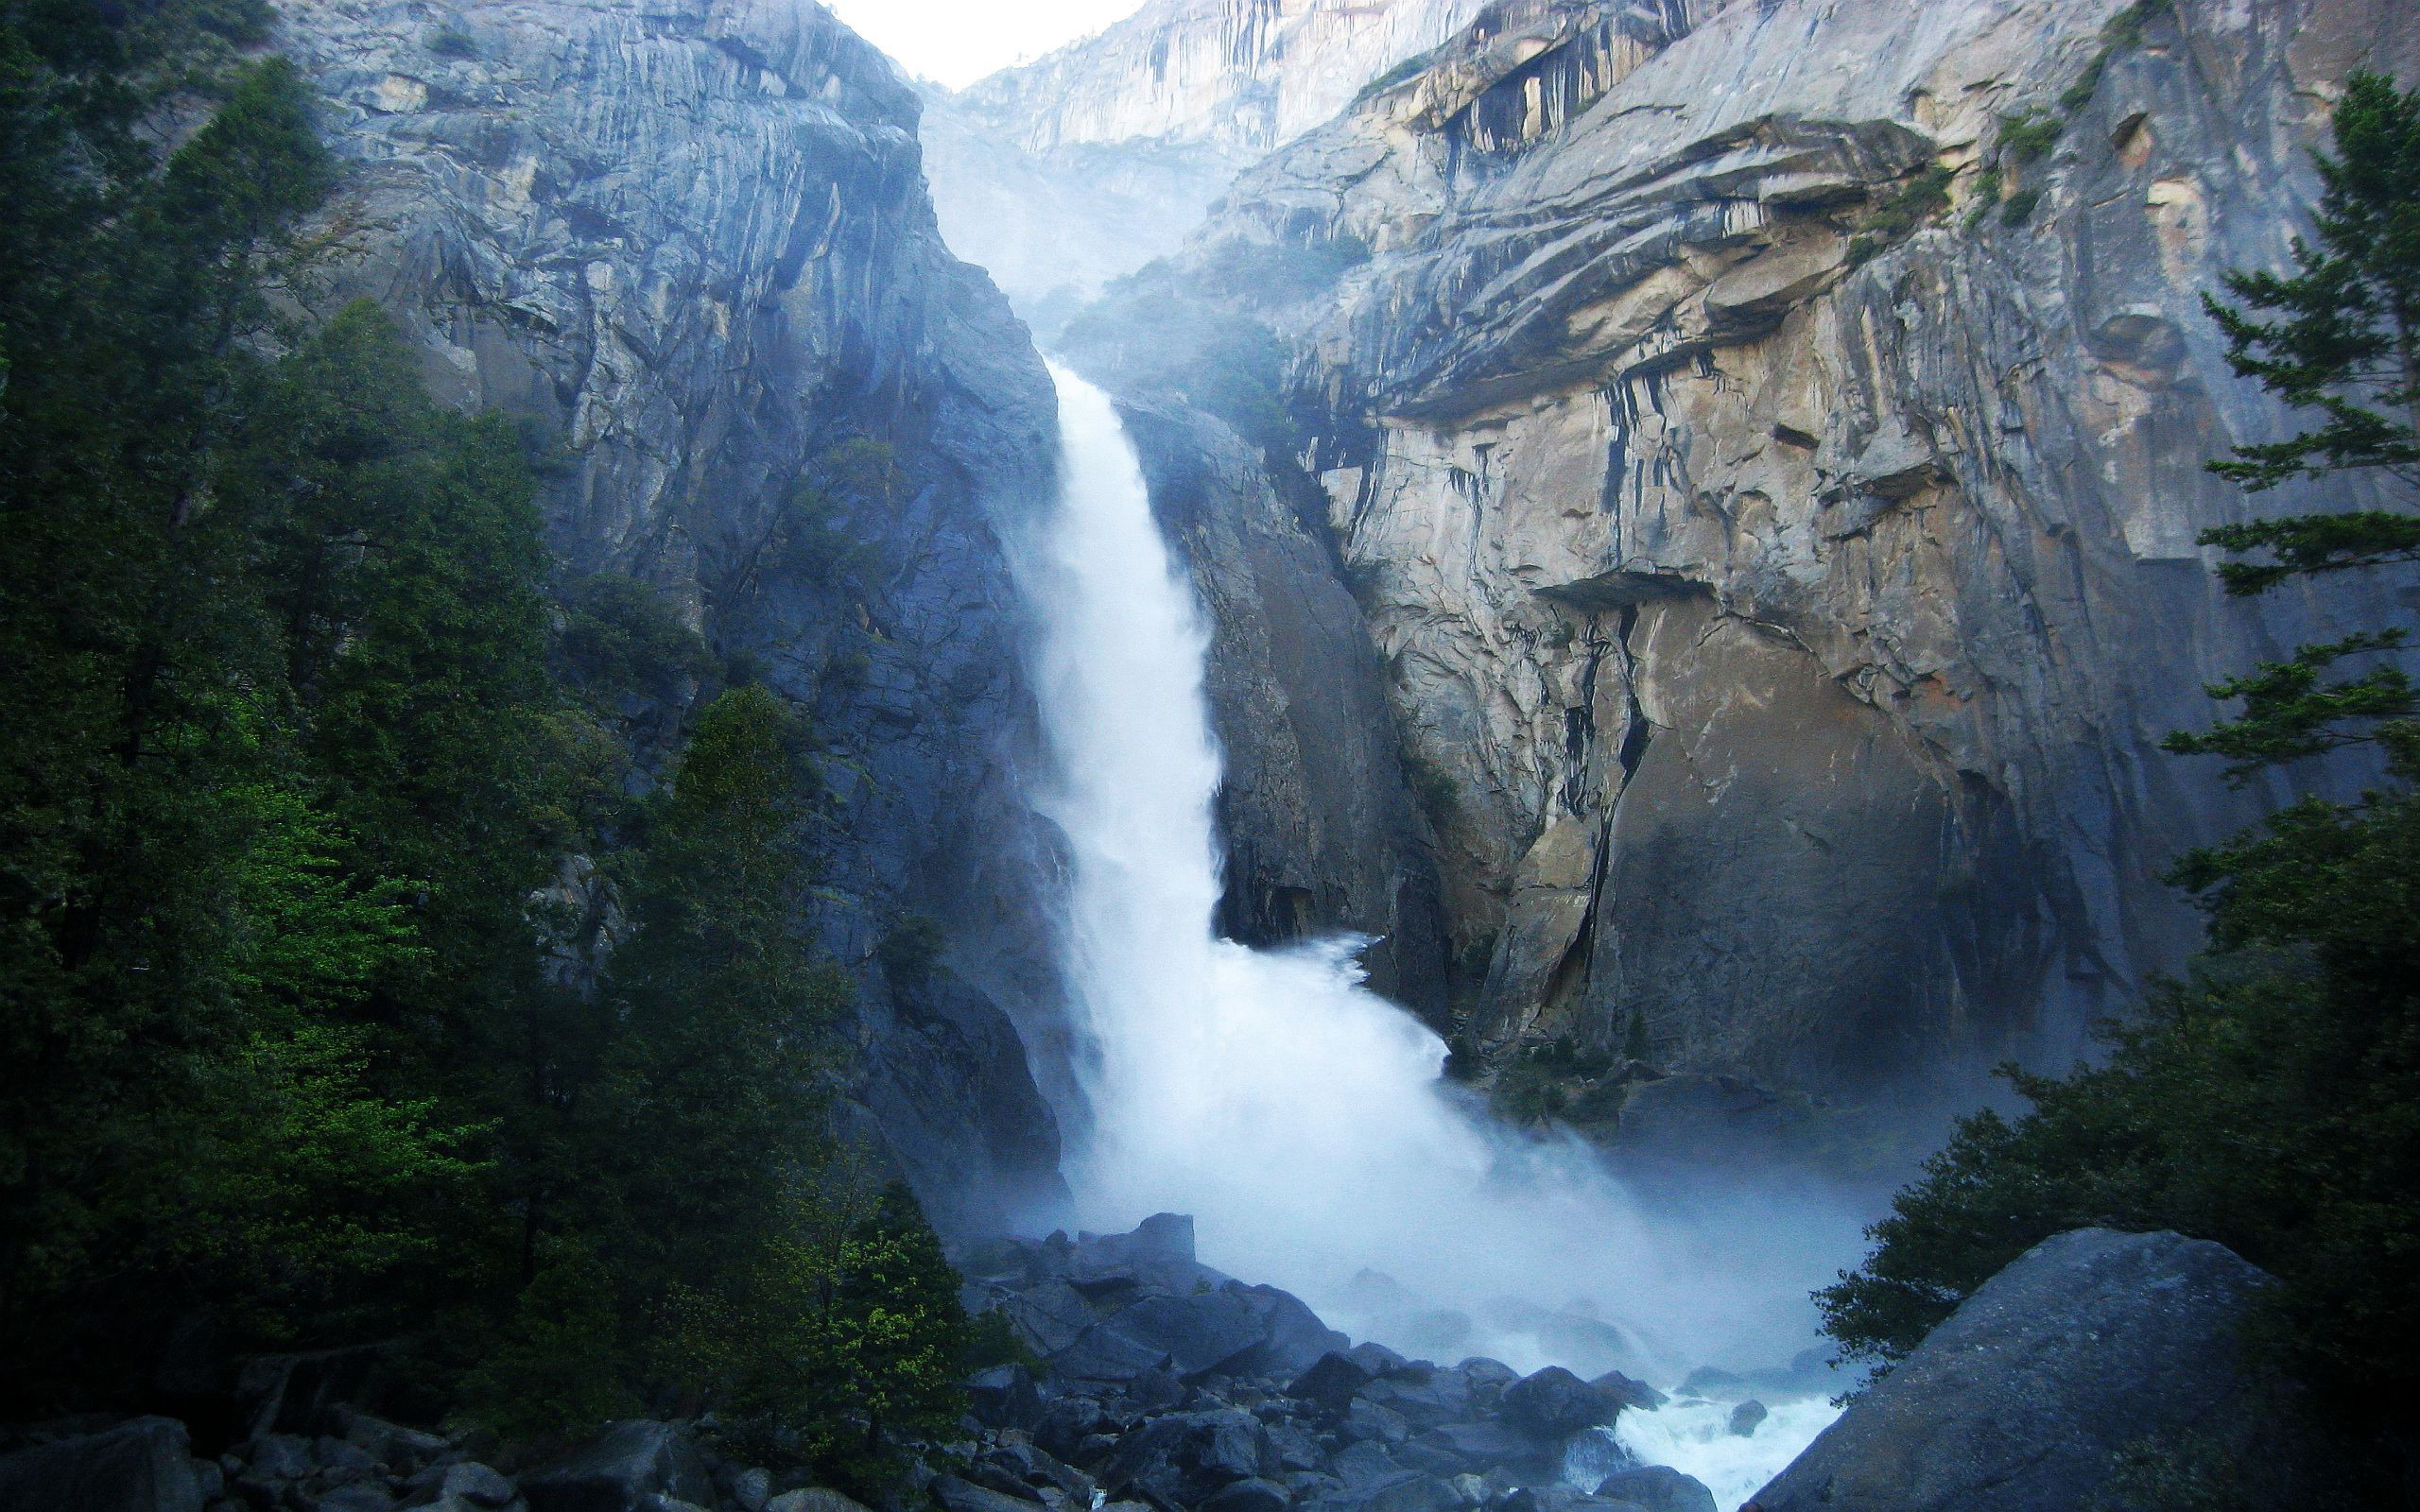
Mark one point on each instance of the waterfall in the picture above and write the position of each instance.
(1298, 1116)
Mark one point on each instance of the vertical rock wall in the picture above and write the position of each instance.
(691, 244)
(1782, 537)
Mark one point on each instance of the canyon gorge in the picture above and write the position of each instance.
(1500, 648)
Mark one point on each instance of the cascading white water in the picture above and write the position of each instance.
(1298, 1117)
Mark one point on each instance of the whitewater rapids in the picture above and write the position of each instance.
(1298, 1117)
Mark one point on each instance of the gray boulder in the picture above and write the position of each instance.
(957, 1494)
(814, 1499)
(1003, 1397)
(621, 1471)
(144, 1466)
(1330, 1382)
(479, 1484)
(1657, 1488)
(1554, 1403)
(1251, 1494)
(2087, 1347)
(1629, 1392)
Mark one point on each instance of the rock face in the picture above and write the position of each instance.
(1784, 547)
(2091, 1345)
(691, 243)
(1320, 832)
(143, 1466)
(1088, 164)
(1165, 1384)
(1240, 76)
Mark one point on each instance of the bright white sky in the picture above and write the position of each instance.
(958, 42)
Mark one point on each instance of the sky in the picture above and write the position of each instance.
(958, 42)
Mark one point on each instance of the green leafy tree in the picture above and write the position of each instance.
(724, 1007)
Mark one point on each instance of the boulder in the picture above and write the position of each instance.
(749, 1490)
(143, 1466)
(1657, 1488)
(1747, 1417)
(401, 1450)
(477, 1484)
(358, 1496)
(1554, 1403)
(2090, 1345)
(1330, 1382)
(957, 1494)
(814, 1499)
(621, 1470)
(1003, 1397)
(1629, 1392)
(1251, 1494)
(312, 1393)
(1183, 1458)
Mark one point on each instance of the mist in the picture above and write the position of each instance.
(1301, 1119)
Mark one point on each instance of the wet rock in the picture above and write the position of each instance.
(1330, 1382)
(2088, 1344)
(1747, 1417)
(401, 1450)
(750, 1490)
(1368, 1420)
(143, 1466)
(312, 1393)
(476, 1484)
(1657, 1488)
(1630, 1392)
(959, 1495)
(1003, 1397)
(1610, 469)
(1252, 1494)
(620, 1470)
(814, 1499)
(1554, 1403)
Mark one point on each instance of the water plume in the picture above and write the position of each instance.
(1298, 1117)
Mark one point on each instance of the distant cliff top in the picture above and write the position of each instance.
(1240, 76)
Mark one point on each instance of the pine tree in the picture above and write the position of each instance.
(2272, 1102)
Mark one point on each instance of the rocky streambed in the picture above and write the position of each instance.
(2092, 1367)
(1157, 1385)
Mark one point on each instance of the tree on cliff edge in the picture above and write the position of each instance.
(2272, 1100)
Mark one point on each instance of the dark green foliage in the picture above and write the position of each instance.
(2342, 334)
(620, 635)
(555, 1369)
(911, 949)
(2019, 206)
(290, 762)
(2122, 34)
(840, 1336)
(2029, 137)
(1403, 73)
(452, 43)
(2272, 1102)
(1914, 203)
(1989, 186)
(2342, 338)
(721, 1003)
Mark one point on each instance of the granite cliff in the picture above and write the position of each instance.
(691, 245)
(1765, 439)
(1085, 165)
